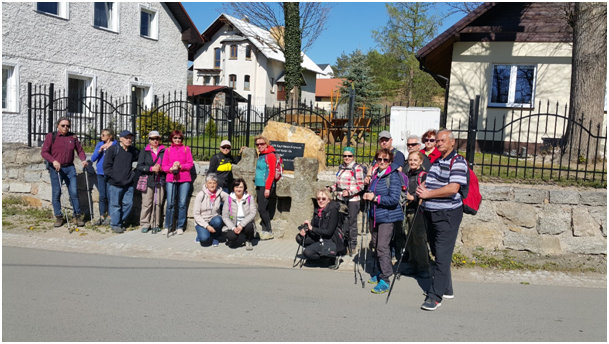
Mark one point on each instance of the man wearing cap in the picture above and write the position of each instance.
(222, 165)
(120, 177)
(58, 151)
(385, 141)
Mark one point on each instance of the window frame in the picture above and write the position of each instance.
(246, 82)
(89, 87)
(232, 81)
(234, 52)
(147, 98)
(248, 52)
(217, 58)
(512, 86)
(153, 28)
(114, 22)
(12, 90)
(62, 10)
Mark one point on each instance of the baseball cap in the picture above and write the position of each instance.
(384, 134)
(225, 143)
(154, 133)
(125, 133)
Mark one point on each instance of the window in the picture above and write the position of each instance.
(513, 86)
(280, 91)
(232, 81)
(216, 80)
(217, 55)
(59, 9)
(233, 52)
(246, 83)
(206, 80)
(105, 15)
(10, 91)
(148, 24)
(77, 89)
(248, 52)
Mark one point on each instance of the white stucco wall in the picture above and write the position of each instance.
(472, 73)
(46, 49)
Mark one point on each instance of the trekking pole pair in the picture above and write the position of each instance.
(397, 273)
(65, 210)
(301, 246)
(364, 236)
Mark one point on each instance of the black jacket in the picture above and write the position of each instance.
(145, 162)
(325, 225)
(222, 166)
(117, 165)
(413, 182)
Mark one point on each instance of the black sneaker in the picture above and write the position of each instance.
(430, 304)
(118, 229)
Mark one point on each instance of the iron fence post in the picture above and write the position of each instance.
(133, 111)
(247, 125)
(51, 100)
(470, 133)
(29, 114)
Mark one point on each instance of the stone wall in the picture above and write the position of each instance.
(547, 220)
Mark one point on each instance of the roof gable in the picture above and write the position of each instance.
(188, 29)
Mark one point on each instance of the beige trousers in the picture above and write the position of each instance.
(146, 219)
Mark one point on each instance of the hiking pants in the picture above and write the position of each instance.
(237, 240)
(381, 236)
(353, 212)
(266, 207)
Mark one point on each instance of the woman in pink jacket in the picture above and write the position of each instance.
(177, 163)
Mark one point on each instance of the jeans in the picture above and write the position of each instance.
(181, 190)
(120, 204)
(103, 194)
(442, 227)
(204, 236)
(68, 175)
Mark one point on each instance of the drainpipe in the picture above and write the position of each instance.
(436, 77)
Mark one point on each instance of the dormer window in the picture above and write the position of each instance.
(233, 52)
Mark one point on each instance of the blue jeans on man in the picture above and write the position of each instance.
(204, 236)
(68, 175)
(182, 190)
(102, 188)
(120, 204)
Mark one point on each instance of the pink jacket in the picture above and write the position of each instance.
(182, 154)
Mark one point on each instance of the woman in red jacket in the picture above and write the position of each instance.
(430, 150)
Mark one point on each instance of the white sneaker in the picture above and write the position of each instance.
(248, 246)
(264, 235)
(180, 231)
(164, 231)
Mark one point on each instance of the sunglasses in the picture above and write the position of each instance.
(322, 198)
(225, 147)
(347, 156)
(412, 144)
(429, 140)
(64, 125)
(382, 159)
(261, 144)
(154, 138)
(177, 138)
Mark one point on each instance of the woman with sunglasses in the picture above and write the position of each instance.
(430, 150)
(384, 193)
(149, 164)
(349, 183)
(177, 162)
(319, 233)
(107, 140)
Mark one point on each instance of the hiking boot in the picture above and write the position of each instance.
(118, 229)
(79, 220)
(145, 229)
(381, 287)
(59, 221)
(107, 221)
(336, 264)
(430, 304)
(248, 246)
(264, 235)
(99, 221)
(374, 279)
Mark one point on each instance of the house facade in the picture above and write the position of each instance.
(247, 59)
(514, 55)
(327, 93)
(81, 47)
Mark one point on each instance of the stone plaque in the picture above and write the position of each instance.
(288, 151)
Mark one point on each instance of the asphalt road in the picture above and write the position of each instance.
(58, 296)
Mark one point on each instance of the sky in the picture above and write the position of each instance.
(349, 27)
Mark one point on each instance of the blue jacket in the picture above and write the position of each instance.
(387, 208)
(99, 157)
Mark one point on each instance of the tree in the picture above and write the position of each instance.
(588, 72)
(294, 27)
(355, 69)
(462, 7)
(411, 25)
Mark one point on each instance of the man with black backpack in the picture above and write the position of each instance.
(58, 152)
(443, 212)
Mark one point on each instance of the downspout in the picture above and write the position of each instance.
(447, 81)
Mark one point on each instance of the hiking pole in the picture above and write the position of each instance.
(301, 261)
(65, 211)
(175, 204)
(359, 254)
(154, 222)
(395, 274)
(86, 173)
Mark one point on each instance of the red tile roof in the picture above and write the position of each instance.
(324, 87)
(195, 90)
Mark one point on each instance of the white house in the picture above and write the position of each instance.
(83, 46)
(327, 72)
(246, 58)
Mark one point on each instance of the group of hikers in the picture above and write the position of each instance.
(409, 203)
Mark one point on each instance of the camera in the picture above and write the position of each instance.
(304, 227)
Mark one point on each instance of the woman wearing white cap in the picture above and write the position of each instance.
(222, 165)
(149, 164)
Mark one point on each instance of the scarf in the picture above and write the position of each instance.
(212, 195)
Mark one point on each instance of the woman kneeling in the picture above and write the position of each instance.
(207, 214)
(238, 215)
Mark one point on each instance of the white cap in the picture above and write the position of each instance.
(225, 143)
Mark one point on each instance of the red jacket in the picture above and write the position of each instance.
(62, 149)
(433, 156)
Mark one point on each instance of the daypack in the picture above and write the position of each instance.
(278, 167)
(471, 193)
(404, 188)
(339, 239)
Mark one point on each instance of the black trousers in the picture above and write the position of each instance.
(314, 249)
(266, 207)
(442, 227)
(237, 240)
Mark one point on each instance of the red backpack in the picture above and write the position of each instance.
(278, 167)
(470, 194)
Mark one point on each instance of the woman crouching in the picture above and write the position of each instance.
(319, 233)
(238, 214)
(385, 189)
(207, 214)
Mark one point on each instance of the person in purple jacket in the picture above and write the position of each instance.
(58, 151)
(107, 140)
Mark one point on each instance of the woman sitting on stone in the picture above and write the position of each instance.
(319, 233)
(208, 219)
(238, 214)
